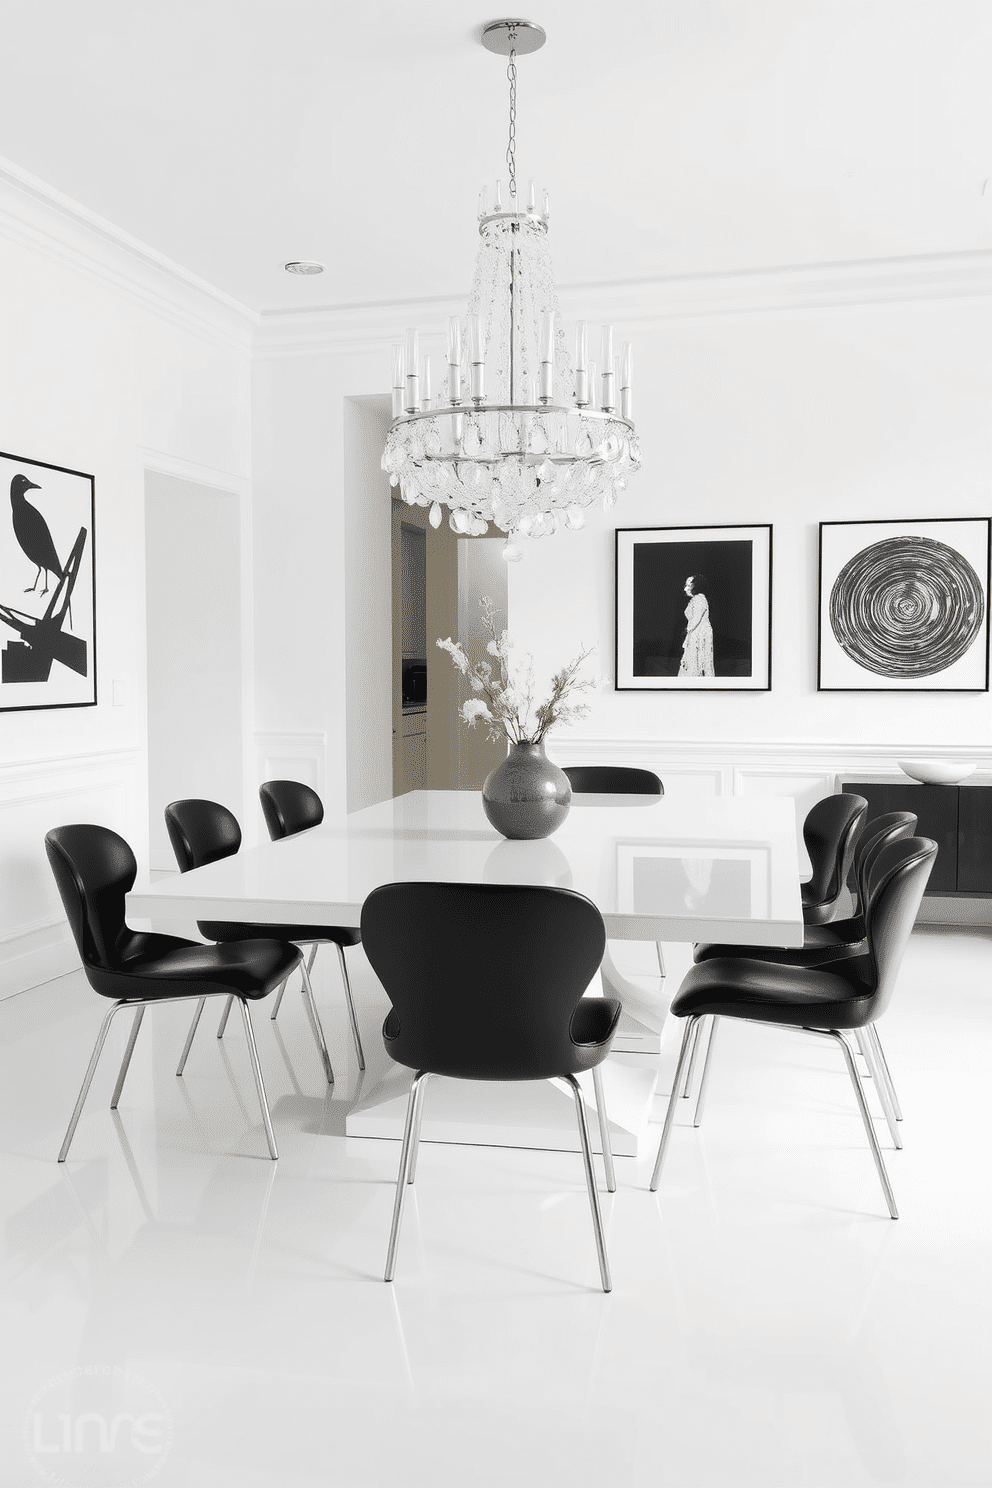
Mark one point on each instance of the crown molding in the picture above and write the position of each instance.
(789, 288)
(37, 216)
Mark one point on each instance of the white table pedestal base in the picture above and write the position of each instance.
(504, 1113)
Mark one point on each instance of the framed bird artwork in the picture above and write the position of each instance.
(47, 586)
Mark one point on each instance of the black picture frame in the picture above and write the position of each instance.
(894, 596)
(48, 628)
(652, 643)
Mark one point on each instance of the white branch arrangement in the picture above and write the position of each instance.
(506, 688)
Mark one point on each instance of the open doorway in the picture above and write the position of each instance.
(194, 639)
(438, 580)
(446, 755)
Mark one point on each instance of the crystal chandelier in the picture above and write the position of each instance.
(519, 434)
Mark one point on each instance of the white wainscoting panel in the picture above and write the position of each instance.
(35, 944)
(287, 756)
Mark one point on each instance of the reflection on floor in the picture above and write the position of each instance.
(769, 1325)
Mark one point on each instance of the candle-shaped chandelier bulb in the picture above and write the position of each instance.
(608, 400)
(425, 384)
(532, 198)
(484, 201)
(399, 381)
(412, 364)
(593, 389)
(547, 356)
(454, 359)
(498, 198)
(627, 381)
(582, 363)
(547, 205)
(477, 357)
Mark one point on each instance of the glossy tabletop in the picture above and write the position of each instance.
(715, 868)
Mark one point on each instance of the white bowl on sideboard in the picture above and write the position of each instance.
(936, 771)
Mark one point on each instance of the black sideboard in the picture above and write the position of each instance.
(957, 817)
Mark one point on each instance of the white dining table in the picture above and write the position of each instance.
(658, 868)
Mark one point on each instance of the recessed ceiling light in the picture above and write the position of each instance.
(303, 266)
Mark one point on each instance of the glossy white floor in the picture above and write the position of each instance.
(769, 1324)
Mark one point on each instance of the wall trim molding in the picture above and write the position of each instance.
(101, 758)
(841, 754)
(37, 956)
(789, 288)
(37, 216)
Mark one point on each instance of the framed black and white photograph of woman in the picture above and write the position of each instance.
(904, 606)
(47, 587)
(694, 609)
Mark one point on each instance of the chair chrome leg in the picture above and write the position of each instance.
(224, 1016)
(126, 1061)
(700, 1098)
(101, 1039)
(868, 1054)
(282, 986)
(412, 1115)
(189, 1037)
(256, 1070)
(883, 1064)
(666, 1130)
(597, 1218)
(318, 1031)
(351, 1008)
(411, 1170)
(690, 1074)
(661, 958)
(278, 1002)
(876, 1152)
(604, 1128)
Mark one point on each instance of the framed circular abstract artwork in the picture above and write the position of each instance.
(904, 606)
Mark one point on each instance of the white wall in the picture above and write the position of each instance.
(193, 605)
(313, 581)
(368, 635)
(111, 364)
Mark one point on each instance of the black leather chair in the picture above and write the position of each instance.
(830, 832)
(834, 941)
(486, 983)
(203, 832)
(836, 938)
(827, 1001)
(613, 780)
(290, 807)
(617, 780)
(94, 869)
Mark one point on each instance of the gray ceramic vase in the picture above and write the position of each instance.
(526, 796)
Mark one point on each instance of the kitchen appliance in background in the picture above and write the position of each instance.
(414, 682)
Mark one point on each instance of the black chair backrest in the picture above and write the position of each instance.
(201, 832)
(94, 868)
(289, 807)
(894, 826)
(614, 780)
(483, 978)
(830, 832)
(895, 890)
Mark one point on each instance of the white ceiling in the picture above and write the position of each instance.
(675, 136)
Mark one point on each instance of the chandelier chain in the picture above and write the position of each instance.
(511, 148)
